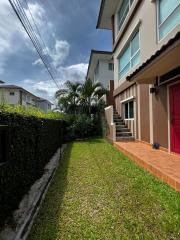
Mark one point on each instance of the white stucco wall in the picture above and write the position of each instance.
(27, 98)
(5, 96)
(105, 75)
(43, 105)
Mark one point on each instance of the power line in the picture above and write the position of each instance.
(19, 10)
(36, 41)
(37, 29)
(32, 35)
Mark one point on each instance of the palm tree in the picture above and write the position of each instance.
(90, 91)
(61, 93)
(70, 95)
(64, 103)
(80, 95)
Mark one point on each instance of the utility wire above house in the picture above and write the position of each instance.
(35, 36)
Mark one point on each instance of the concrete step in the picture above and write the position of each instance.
(121, 122)
(124, 139)
(116, 116)
(120, 129)
(118, 126)
(123, 134)
(117, 119)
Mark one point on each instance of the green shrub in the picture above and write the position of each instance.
(82, 127)
(102, 125)
(30, 111)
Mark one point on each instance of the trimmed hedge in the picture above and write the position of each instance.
(31, 142)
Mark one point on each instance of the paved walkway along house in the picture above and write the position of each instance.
(160, 163)
(98, 193)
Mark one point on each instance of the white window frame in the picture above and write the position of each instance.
(131, 57)
(158, 18)
(118, 19)
(128, 102)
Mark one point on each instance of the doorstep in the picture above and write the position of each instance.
(162, 164)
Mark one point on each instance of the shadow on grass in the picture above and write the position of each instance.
(46, 225)
(91, 140)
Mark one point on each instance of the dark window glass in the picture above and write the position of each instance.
(131, 109)
(126, 110)
(111, 66)
(11, 93)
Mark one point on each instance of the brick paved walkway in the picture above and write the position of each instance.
(161, 164)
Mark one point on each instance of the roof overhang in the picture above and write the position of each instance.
(93, 61)
(2, 81)
(107, 9)
(164, 60)
(39, 99)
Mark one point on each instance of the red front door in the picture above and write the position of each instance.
(175, 117)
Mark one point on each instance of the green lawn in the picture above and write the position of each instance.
(98, 193)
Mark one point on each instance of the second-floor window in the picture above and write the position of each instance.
(11, 93)
(168, 16)
(123, 12)
(130, 56)
(111, 66)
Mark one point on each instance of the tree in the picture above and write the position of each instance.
(90, 92)
(69, 97)
(64, 103)
(78, 96)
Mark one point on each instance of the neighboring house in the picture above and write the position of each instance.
(1, 81)
(101, 67)
(43, 104)
(146, 52)
(14, 95)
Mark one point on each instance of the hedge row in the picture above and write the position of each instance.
(31, 144)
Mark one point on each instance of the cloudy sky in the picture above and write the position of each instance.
(68, 28)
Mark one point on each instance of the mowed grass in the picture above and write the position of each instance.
(98, 193)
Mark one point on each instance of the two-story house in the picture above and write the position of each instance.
(15, 95)
(101, 69)
(146, 53)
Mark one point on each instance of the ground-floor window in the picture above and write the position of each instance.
(129, 110)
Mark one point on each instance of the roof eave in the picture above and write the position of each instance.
(95, 52)
(100, 14)
(98, 25)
